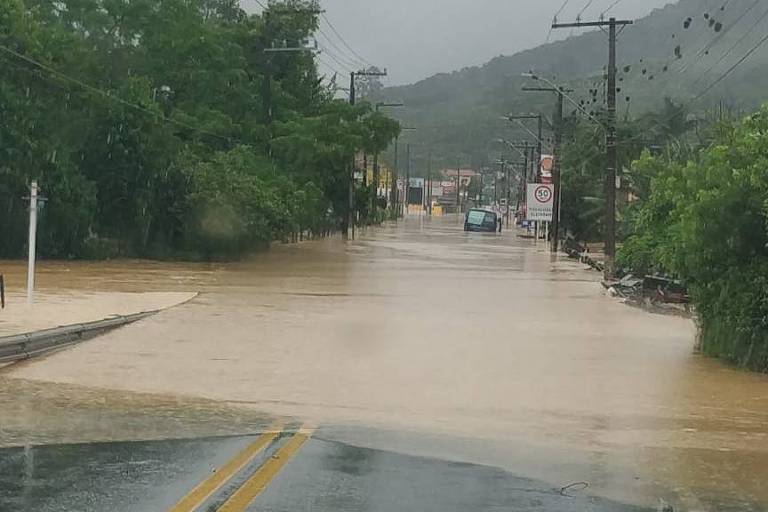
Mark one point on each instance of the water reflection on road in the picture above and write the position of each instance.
(484, 344)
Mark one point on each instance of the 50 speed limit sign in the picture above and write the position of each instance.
(540, 202)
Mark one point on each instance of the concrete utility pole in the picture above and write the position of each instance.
(610, 139)
(556, 182)
(32, 242)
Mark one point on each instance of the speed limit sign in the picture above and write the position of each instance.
(540, 202)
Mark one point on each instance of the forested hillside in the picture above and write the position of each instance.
(677, 51)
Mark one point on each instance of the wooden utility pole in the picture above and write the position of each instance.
(611, 139)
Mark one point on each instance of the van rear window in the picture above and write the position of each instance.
(478, 218)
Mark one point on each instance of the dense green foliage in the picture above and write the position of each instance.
(145, 123)
(705, 219)
(583, 165)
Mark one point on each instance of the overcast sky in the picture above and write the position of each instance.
(415, 39)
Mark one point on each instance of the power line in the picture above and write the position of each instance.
(343, 41)
(705, 50)
(732, 68)
(733, 47)
(108, 95)
(336, 59)
(342, 53)
(589, 2)
(554, 18)
(562, 8)
(614, 4)
(329, 65)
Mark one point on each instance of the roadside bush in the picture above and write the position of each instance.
(706, 222)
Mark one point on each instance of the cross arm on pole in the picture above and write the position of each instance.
(603, 23)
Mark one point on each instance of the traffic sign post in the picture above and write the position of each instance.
(540, 204)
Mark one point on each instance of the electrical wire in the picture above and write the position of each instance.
(337, 60)
(614, 4)
(589, 2)
(554, 18)
(354, 62)
(705, 50)
(329, 65)
(343, 41)
(733, 68)
(108, 95)
(733, 47)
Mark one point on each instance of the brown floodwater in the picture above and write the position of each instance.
(501, 353)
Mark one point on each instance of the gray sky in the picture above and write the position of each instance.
(415, 39)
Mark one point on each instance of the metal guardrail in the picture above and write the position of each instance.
(25, 346)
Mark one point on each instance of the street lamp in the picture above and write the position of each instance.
(562, 91)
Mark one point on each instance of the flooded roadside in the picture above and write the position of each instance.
(39, 413)
(520, 361)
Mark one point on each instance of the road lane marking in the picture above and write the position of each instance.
(266, 473)
(208, 487)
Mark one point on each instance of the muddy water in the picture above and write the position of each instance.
(496, 351)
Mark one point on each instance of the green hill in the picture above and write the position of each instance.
(458, 114)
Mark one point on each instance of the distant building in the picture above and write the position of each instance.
(467, 175)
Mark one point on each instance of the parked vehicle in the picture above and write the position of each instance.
(481, 220)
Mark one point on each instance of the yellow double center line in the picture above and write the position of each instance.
(255, 484)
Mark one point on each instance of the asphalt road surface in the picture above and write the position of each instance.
(324, 475)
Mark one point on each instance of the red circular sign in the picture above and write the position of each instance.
(543, 194)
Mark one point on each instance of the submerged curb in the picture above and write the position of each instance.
(19, 347)
(26, 346)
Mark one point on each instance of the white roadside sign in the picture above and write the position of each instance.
(540, 202)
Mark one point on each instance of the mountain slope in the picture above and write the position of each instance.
(457, 114)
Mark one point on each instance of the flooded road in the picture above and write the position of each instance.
(421, 339)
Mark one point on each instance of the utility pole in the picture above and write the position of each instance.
(393, 200)
(376, 170)
(458, 185)
(33, 196)
(610, 140)
(407, 186)
(270, 50)
(428, 186)
(557, 185)
(352, 100)
(507, 188)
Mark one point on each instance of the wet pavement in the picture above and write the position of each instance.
(479, 359)
(326, 475)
